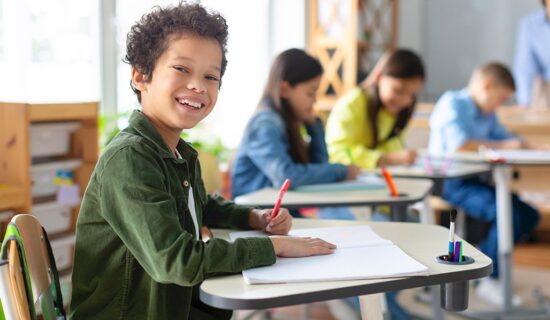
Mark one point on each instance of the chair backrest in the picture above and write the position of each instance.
(13, 288)
(38, 265)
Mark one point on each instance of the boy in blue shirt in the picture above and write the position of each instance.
(465, 120)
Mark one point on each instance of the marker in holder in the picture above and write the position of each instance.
(454, 295)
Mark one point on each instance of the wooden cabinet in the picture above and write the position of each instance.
(16, 120)
(348, 37)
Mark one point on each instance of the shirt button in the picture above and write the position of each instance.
(186, 183)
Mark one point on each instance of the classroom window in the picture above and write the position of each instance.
(53, 54)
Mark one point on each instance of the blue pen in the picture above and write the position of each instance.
(452, 235)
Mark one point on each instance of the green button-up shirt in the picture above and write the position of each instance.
(137, 255)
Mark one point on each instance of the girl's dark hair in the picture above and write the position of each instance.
(150, 36)
(293, 66)
(401, 64)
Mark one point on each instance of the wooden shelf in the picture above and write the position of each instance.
(12, 197)
(63, 112)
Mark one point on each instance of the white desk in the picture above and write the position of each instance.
(502, 174)
(413, 190)
(420, 241)
(455, 170)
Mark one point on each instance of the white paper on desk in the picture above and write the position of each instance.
(342, 237)
(344, 264)
(361, 254)
(519, 155)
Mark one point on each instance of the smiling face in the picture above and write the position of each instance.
(398, 93)
(301, 98)
(185, 82)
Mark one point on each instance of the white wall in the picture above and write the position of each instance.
(454, 36)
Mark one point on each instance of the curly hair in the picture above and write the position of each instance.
(149, 37)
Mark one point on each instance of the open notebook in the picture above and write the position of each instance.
(360, 254)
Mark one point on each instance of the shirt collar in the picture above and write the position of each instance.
(143, 125)
(474, 107)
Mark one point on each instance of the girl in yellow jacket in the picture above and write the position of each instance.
(366, 125)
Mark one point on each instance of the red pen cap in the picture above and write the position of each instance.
(285, 186)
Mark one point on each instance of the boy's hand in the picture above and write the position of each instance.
(261, 220)
(292, 247)
(512, 144)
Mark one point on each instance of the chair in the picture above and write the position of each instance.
(32, 283)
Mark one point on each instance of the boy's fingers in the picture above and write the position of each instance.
(320, 250)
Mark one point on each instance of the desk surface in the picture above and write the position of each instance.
(455, 170)
(413, 189)
(473, 157)
(420, 241)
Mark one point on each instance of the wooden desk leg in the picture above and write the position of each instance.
(372, 306)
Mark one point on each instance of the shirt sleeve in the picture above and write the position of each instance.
(499, 132)
(317, 147)
(453, 124)
(343, 127)
(222, 213)
(525, 64)
(137, 206)
(268, 149)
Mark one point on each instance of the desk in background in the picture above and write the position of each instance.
(413, 190)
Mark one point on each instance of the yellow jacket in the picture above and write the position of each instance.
(348, 129)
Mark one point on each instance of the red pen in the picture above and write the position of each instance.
(389, 182)
(284, 188)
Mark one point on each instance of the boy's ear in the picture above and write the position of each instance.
(139, 80)
(487, 83)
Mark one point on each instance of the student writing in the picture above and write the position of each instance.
(465, 120)
(285, 139)
(369, 121)
(139, 253)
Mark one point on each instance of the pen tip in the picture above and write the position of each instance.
(453, 215)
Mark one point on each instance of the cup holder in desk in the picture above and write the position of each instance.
(454, 295)
(465, 260)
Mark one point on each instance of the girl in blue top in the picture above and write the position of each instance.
(285, 139)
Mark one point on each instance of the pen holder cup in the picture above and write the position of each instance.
(454, 295)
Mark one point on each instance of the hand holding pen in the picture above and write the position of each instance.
(261, 220)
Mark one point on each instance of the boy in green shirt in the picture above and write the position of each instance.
(139, 253)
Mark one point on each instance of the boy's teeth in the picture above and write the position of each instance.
(196, 105)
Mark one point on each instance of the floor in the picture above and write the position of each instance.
(525, 280)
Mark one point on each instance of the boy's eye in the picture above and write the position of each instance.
(181, 69)
(213, 78)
